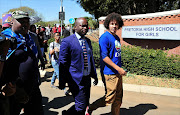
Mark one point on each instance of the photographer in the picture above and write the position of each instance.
(7, 85)
(21, 67)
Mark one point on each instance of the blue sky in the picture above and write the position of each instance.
(47, 8)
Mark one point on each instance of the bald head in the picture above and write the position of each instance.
(81, 26)
(79, 20)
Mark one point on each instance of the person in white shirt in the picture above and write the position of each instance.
(48, 31)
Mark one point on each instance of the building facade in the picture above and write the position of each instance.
(159, 30)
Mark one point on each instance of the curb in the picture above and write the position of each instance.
(147, 89)
(139, 88)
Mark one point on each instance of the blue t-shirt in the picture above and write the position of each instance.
(110, 46)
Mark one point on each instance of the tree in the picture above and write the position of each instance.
(127, 7)
(45, 24)
(92, 23)
(30, 11)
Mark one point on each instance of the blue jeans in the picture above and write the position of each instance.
(56, 71)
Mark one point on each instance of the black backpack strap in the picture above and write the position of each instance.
(53, 45)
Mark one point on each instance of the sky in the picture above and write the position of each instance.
(49, 9)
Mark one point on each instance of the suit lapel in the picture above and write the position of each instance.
(88, 41)
(76, 43)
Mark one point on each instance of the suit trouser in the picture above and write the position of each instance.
(81, 94)
(113, 95)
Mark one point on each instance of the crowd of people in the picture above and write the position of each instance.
(23, 45)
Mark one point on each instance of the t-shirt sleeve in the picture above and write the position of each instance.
(103, 44)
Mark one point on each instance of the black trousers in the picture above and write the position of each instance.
(4, 105)
(32, 107)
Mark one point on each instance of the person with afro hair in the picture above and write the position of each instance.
(111, 70)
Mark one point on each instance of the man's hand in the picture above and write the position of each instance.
(121, 71)
(8, 89)
(95, 81)
(45, 41)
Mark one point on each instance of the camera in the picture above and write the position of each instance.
(13, 41)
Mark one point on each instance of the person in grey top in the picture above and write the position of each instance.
(54, 49)
(54, 52)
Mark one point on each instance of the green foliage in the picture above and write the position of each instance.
(100, 8)
(96, 53)
(170, 5)
(93, 23)
(147, 62)
(150, 62)
(29, 10)
(45, 24)
(52, 39)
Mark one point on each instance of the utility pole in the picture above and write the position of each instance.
(61, 18)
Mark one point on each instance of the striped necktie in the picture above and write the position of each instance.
(85, 54)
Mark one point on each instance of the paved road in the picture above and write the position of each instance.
(54, 101)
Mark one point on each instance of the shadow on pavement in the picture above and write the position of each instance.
(46, 76)
(140, 109)
(56, 103)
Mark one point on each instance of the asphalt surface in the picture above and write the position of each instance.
(55, 101)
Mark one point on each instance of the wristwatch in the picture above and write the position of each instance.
(2, 58)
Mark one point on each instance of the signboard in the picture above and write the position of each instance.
(166, 32)
(71, 20)
(62, 15)
(6, 18)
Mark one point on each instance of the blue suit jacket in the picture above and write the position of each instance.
(71, 61)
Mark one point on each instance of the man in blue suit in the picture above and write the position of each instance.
(76, 67)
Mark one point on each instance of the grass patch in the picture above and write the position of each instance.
(150, 81)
